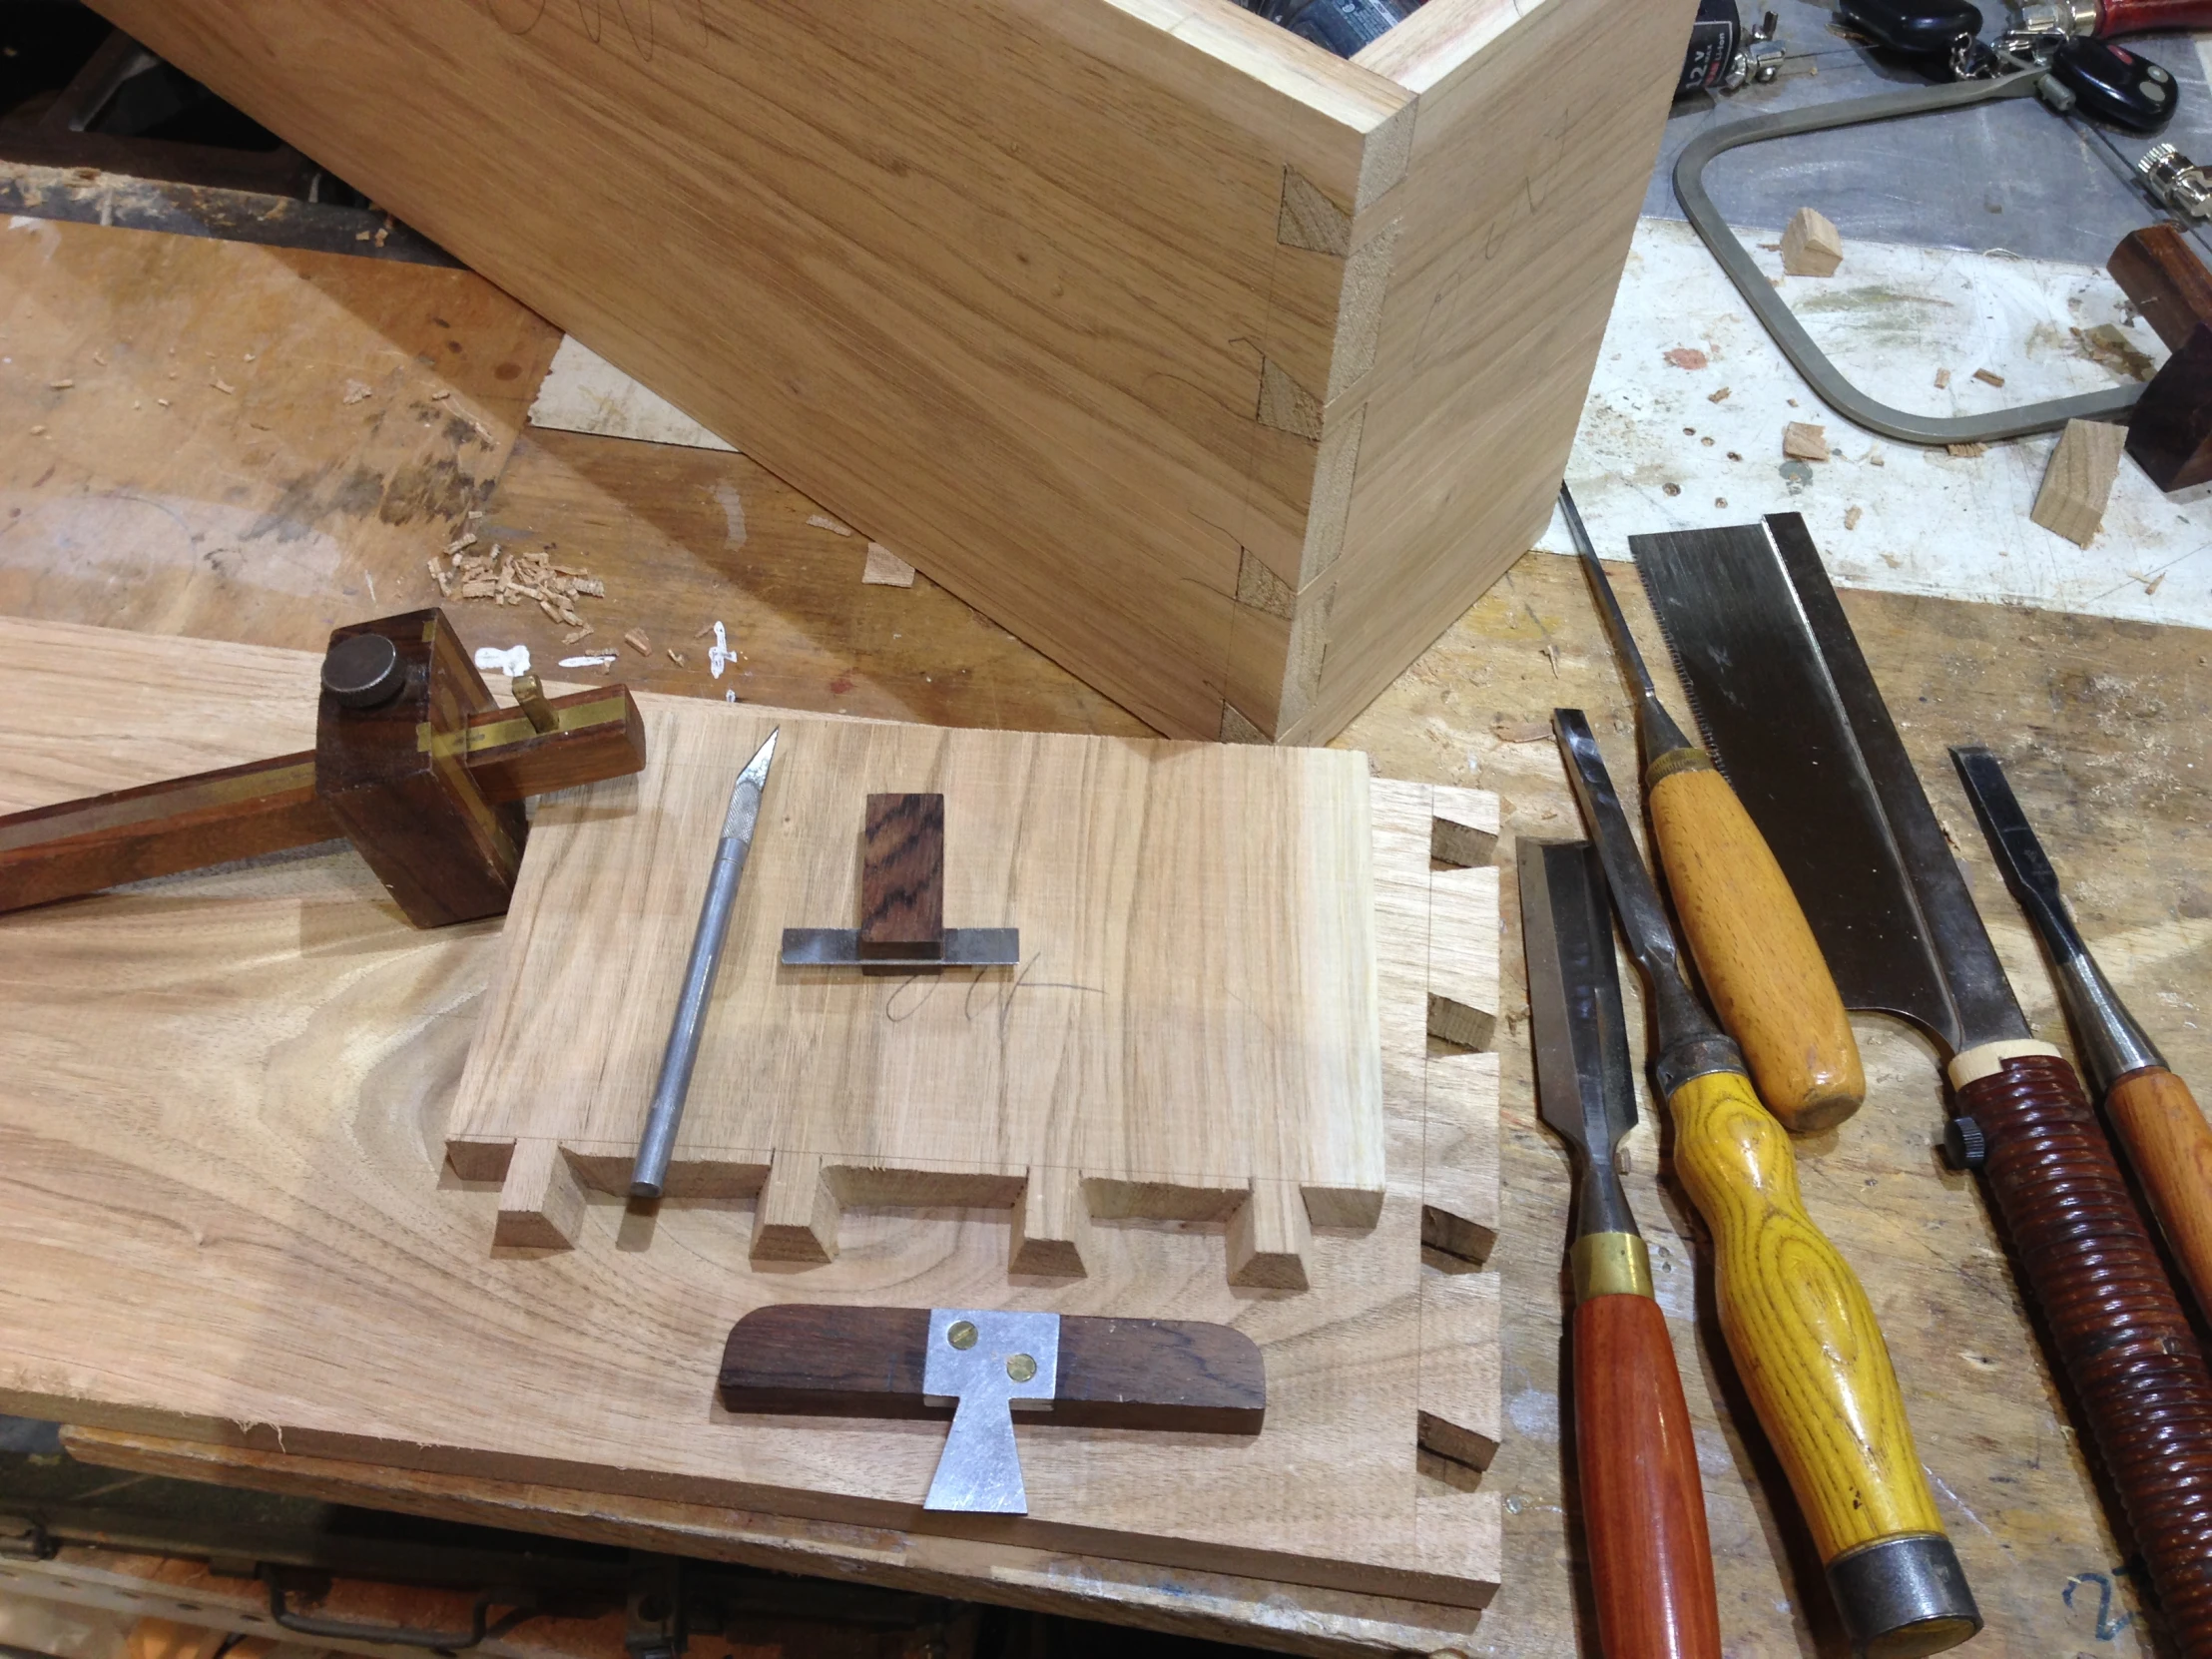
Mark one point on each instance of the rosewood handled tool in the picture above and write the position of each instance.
(1643, 1505)
(1789, 707)
(666, 1113)
(903, 926)
(1753, 948)
(413, 763)
(2159, 1124)
(979, 1365)
(1803, 1335)
(2169, 435)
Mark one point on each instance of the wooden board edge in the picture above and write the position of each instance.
(1289, 1618)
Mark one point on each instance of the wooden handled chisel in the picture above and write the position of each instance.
(1754, 949)
(1803, 1334)
(2156, 1118)
(1643, 1505)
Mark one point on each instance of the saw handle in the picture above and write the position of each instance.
(2119, 1329)
(1755, 950)
(1643, 1505)
(1810, 1352)
(2142, 17)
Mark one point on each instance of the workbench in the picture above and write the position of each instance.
(264, 503)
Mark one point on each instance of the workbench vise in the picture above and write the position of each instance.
(414, 763)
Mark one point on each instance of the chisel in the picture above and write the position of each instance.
(1753, 948)
(1788, 704)
(1643, 1505)
(1802, 1332)
(2159, 1124)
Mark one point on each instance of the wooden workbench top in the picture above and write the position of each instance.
(2102, 723)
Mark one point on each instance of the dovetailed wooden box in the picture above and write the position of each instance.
(1224, 371)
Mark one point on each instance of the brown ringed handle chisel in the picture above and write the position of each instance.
(1754, 949)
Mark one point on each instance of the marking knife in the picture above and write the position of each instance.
(1643, 1504)
(1790, 707)
(2158, 1121)
(1753, 948)
(1797, 1321)
(657, 1144)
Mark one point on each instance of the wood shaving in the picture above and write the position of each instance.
(1967, 451)
(1686, 356)
(356, 392)
(1720, 396)
(60, 385)
(99, 360)
(677, 656)
(1852, 516)
(224, 387)
(512, 577)
(575, 634)
(637, 642)
(1989, 379)
(1528, 731)
(822, 521)
(162, 401)
(441, 396)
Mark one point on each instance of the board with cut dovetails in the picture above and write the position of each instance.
(1190, 1034)
(264, 1247)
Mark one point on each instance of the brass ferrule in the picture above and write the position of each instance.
(1674, 760)
(1611, 1264)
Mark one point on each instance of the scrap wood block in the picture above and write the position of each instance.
(1811, 245)
(1804, 441)
(2078, 480)
(281, 1197)
(1224, 310)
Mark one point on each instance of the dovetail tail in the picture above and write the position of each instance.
(1310, 220)
(1261, 590)
(1286, 405)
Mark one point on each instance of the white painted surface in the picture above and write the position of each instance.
(1929, 522)
(582, 392)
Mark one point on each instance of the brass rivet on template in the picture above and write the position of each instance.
(961, 1334)
(1021, 1368)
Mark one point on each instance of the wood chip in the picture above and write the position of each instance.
(574, 635)
(1811, 245)
(439, 396)
(887, 569)
(1687, 356)
(1942, 379)
(1967, 451)
(224, 387)
(466, 539)
(60, 385)
(551, 610)
(162, 401)
(1852, 516)
(591, 587)
(1803, 442)
(1720, 396)
(1989, 379)
(356, 392)
(677, 656)
(822, 521)
(1527, 730)
(100, 359)
(637, 642)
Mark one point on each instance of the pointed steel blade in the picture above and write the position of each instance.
(1780, 689)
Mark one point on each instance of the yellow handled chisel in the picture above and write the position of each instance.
(1800, 1326)
(1754, 949)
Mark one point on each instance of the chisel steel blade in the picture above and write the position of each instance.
(1788, 706)
(1584, 1082)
